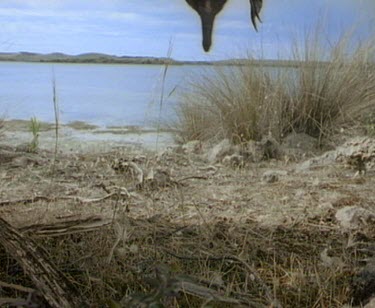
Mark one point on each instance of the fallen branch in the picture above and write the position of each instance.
(24, 201)
(66, 227)
(273, 301)
(52, 285)
(54, 199)
(198, 177)
(167, 284)
(16, 287)
(33, 300)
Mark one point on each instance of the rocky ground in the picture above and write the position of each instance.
(205, 201)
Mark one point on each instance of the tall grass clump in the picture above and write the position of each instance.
(225, 102)
(334, 86)
(1, 126)
(319, 89)
(35, 130)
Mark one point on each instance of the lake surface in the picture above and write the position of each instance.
(100, 94)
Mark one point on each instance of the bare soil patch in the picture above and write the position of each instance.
(189, 232)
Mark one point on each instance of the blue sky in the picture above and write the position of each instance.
(145, 27)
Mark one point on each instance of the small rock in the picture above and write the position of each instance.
(272, 176)
(352, 217)
(219, 151)
(271, 148)
(233, 160)
(331, 262)
(371, 303)
(253, 152)
(139, 159)
(300, 141)
(327, 159)
(325, 207)
(358, 152)
(192, 147)
(158, 178)
(363, 285)
(24, 147)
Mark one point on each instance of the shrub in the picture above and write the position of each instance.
(320, 89)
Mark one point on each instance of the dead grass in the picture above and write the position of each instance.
(328, 86)
(1, 126)
(226, 257)
(195, 237)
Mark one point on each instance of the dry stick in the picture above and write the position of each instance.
(250, 268)
(198, 177)
(166, 66)
(66, 227)
(275, 303)
(52, 284)
(12, 302)
(193, 286)
(56, 111)
(24, 201)
(16, 287)
(48, 199)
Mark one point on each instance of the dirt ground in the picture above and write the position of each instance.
(269, 213)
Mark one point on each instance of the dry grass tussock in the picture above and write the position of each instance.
(242, 264)
(323, 88)
(1, 126)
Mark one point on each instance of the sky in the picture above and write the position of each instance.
(149, 27)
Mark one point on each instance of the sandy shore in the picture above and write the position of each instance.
(81, 137)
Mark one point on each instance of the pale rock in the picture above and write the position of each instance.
(192, 147)
(352, 217)
(300, 141)
(271, 148)
(272, 176)
(219, 151)
(371, 303)
(325, 207)
(234, 160)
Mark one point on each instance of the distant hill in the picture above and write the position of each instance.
(93, 57)
(57, 57)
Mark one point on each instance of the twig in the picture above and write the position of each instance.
(161, 101)
(24, 201)
(199, 177)
(209, 258)
(274, 302)
(16, 287)
(48, 199)
(52, 284)
(56, 111)
(66, 227)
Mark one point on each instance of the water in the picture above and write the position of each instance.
(99, 94)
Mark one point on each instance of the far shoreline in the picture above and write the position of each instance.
(98, 58)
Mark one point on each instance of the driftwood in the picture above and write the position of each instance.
(66, 227)
(254, 273)
(51, 284)
(166, 284)
(72, 198)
